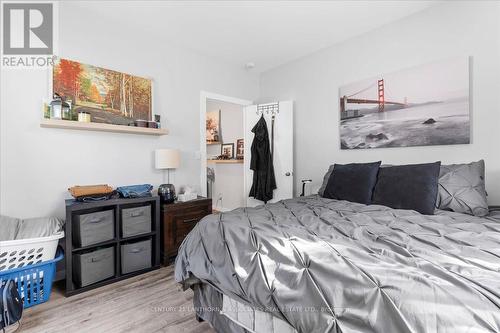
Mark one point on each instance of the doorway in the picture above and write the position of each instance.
(222, 156)
(231, 177)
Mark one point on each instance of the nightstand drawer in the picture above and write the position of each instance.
(183, 224)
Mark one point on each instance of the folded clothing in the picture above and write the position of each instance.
(98, 197)
(9, 226)
(135, 191)
(39, 227)
(89, 190)
(13, 228)
(92, 192)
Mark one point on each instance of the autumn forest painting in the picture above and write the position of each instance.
(109, 96)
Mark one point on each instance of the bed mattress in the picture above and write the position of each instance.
(322, 265)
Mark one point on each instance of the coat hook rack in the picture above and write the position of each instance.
(271, 108)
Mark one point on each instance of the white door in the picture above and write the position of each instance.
(283, 149)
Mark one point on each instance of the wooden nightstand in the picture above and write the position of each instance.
(177, 220)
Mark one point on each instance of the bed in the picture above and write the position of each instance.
(325, 265)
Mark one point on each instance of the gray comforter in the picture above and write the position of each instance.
(335, 266)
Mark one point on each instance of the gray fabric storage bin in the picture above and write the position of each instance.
(95, 266)
(136, 256)
(136, 221)
(94, 228)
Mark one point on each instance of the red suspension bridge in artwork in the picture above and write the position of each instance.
(344, 100)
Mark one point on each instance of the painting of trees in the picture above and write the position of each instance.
(109, 96)
(141, 97)
(85, 88)
(112, 80)
(67, 79)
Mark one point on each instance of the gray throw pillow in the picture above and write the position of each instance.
(462, 189)
(321, 190)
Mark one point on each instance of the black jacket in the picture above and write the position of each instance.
(262, 164)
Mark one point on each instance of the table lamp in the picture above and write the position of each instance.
(166, 159)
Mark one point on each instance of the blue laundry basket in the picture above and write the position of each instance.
(34, 282)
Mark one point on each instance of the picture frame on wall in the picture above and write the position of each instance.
(227, 150)
(425, 105)
(240, 149)
(213, 131)
(105, 95)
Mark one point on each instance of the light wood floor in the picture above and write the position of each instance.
(152, 302)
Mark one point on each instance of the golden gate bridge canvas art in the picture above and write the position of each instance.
(421, 106)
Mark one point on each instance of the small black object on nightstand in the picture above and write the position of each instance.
(166, 193)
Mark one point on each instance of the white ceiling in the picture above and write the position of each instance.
(267, 33)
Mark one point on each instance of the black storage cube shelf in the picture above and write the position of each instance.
(107, 241)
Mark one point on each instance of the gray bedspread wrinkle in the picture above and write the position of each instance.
(325, 265)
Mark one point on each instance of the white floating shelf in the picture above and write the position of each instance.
(232, 161)
(100, 127)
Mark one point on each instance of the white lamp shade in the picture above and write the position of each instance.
(167, 159)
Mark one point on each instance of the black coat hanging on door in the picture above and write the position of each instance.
(261, 163)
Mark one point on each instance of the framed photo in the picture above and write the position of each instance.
(108, 96)
(240, 149)
(213, 127)
(420, 106)
(227, 150)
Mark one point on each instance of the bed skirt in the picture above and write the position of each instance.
(227, 315)
(208, 305)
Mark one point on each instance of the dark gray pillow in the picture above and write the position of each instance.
(408, 187)
(321, 190)
(462, 189)
(353, 182)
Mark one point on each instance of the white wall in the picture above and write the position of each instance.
(229, 178)
(458, 28)
(37, 165)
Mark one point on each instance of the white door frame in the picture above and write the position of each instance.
(204, 96)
